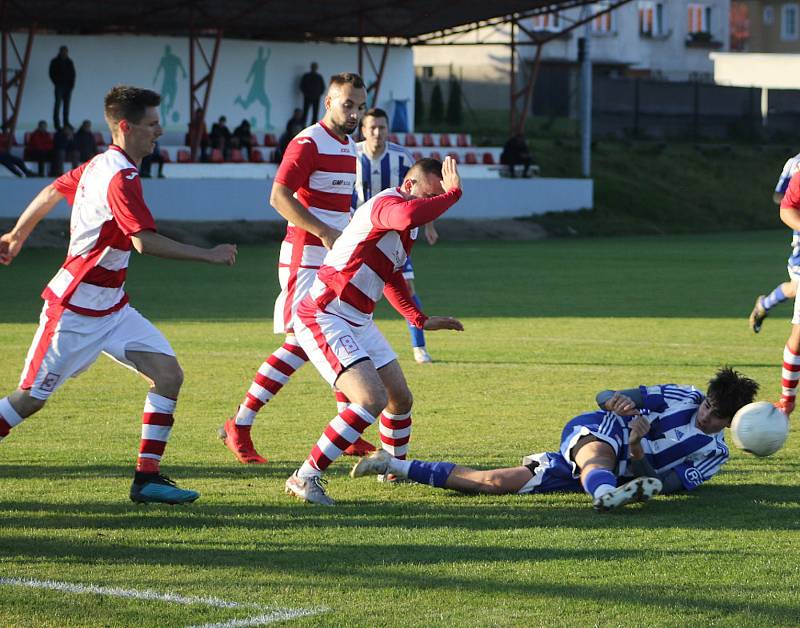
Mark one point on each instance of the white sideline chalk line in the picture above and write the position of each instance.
(271, 615)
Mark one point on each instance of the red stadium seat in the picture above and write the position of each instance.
(411, 139)
(5, 142)
(444, 140)
(98, 138)
(462, 140)
(455, 157)
(254, 140)
(256, 156)
(165, 156)
(236, 156)
(427, 139)
(216, 156)
(488, 159)
(436, 155)
(470, 158)
(393, 138)
(416, 155)
(270, 140)
(184, 156)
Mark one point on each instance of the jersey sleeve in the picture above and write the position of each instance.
(789, 168)
(392, 212)
(659, 398)
(67, 183)
(298, 162)
(695, 472)
(399, 296)
(791, 198)
(126, 200)
(405, 164)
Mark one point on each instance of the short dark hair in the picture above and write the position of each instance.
(729, 390)
(346, 78)
(426, 165)
(375, 112)
(124, 102)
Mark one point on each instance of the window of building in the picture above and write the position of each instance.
(546, 22)
(699, 18)
(652, 19)
(603, 24)
(790, 16)
(768, 17)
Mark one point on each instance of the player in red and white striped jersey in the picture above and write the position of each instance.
(312, 190)
(86, 310)
(335, 327)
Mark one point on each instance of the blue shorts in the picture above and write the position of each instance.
(556, 471)
(408, 269)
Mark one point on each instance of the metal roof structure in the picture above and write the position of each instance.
(279, 20)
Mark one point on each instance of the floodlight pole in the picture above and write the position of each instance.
(584, 54)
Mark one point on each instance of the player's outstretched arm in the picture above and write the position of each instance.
(435, 323)
(157, 245)
(283, 200)
(39, 207)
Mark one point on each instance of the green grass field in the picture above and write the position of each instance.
(547, 325)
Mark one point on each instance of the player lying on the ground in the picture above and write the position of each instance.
(787, 289)
(644, 441)
(335, 325)
(86, 310)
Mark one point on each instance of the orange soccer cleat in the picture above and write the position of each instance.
(238, 440)
(359, 448)
(785, 405)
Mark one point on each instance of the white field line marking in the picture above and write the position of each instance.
(269, 615)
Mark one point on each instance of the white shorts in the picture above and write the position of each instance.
(66, 344)
(332, 344)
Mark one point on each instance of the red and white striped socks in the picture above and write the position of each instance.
(157, 423)
(395, 433)
(272, 375)
(8, 417)
(343, 430)
(790, 374)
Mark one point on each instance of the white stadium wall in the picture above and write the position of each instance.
(104, 61)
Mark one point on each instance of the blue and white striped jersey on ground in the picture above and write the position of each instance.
(790, 168)
(674, 442)
(385, 171)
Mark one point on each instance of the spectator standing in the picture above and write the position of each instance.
(243, 138)
(64, 149)
(62, 73)
(198, 135)
(312, 85)
(40, 146)
(221, 137)
(85, 141)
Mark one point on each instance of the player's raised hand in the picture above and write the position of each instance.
(9, 247)
(622, 405)
(223, 254)
(450, 177)
(442, 322)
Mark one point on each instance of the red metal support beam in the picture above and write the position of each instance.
(13, 79)
(375, 87)
(200, 88)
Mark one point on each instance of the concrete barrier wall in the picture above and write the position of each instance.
(246, 199)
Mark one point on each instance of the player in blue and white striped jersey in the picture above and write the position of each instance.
(642, 442)
(383, 164)
(787, 289)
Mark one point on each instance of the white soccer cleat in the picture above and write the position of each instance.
(311, 490)
(421, 356)
(637, 490)
(377, 463)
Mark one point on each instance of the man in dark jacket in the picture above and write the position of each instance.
(62, 73)
(313, 86)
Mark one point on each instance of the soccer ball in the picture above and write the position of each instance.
(760, 428)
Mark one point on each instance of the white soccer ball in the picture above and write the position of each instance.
(760, 428)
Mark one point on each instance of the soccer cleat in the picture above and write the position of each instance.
(785, 405)
(359, 448)
(311, 489)
(758, 315)
(157, 488)
(391, 478)
(421, 356)
(377, 463)
(239, 442)
(638, 490)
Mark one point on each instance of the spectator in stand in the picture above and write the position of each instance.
(221, 137)
(198, 135)
(243, 138)
(148, 160)
(64, 149)
(516, 152)
(85, 142)
(40, 146)
(62, 73)
(294, 125)
(313, 86)
(14, 164)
